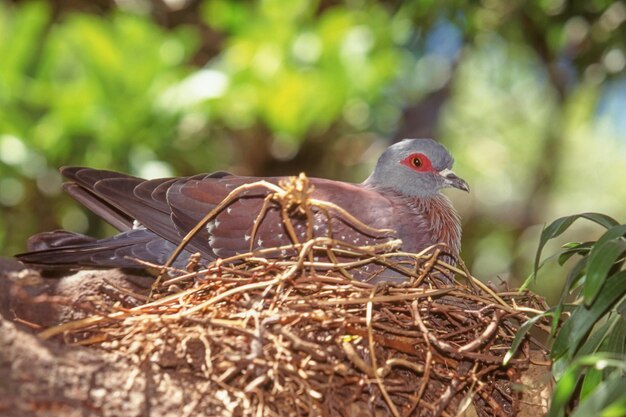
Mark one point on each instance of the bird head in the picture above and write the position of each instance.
(416, 167)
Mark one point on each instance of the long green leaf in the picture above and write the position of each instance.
(595, 339)
(591, 380)
(560, 367)
(521, 333)
(602, 257)
(616, 341)
(573, 275)
(621, 309)
(564, 391)
(572, 249)
(561, 345)
(605, 395)
(567, 385)
(583, 318)
(559, 226)
(615, 409)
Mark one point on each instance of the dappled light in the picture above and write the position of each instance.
(254, 294)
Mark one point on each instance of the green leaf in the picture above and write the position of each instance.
(616, 409)
(616, 341)
(621, 309)
(597, 337)
(567, 385)
(560, 367)
(591, 380)
(572, 249)
(521, 333)
(607, 394)
(583, 317)
(602, 257)
(557, 227)
(561, 345)
(574, 274)
(563, 391)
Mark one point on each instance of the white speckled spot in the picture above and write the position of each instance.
(98, 393)
(246, 237)
(228, 210)
(259, 242)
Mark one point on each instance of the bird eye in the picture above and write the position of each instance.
(417, 162)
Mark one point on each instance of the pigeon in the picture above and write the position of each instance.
(401, 199)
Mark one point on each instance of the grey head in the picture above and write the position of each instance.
(416, 167)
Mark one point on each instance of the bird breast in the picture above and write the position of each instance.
(428, 221)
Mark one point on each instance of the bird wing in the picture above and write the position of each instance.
(170, 207)
(126, 201)
(230, 232)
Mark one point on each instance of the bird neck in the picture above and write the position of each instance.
(440, 218)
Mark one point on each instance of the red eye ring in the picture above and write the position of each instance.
(418, 162)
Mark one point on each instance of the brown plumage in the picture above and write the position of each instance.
(402, 194)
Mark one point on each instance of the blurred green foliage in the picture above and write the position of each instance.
(78, 92)
(299, 76)
(527, 95)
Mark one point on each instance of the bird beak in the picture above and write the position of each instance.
(452, 180)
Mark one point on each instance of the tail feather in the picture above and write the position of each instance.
(119, 199)
(99, 206)
(56, 239)
(63, 250)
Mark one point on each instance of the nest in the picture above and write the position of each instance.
(295, 337)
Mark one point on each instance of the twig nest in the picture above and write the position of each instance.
(266, 335)
(279, 338)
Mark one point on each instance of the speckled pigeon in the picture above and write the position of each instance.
(402, 194)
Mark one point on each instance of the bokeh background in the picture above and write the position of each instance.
(530, 97)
